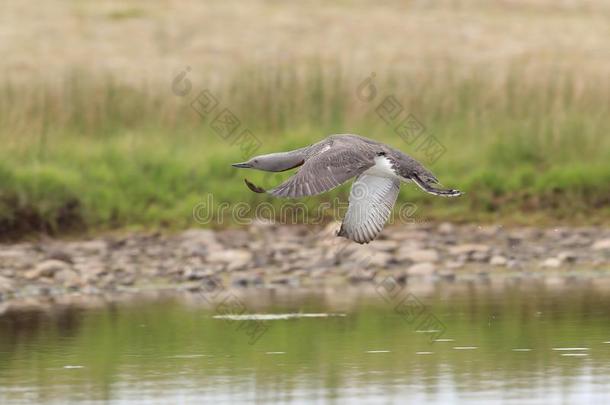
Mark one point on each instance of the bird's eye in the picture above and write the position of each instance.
(380, 153)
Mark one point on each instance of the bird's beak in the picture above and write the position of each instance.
(244, 165)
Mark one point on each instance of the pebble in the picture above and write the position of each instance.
(6, 286)
(47, 268)
(603, 244)
(498, 260)
(469, 249)
(68, 278)
(419, 255)
(422, 269)
(551, 262)
(275, 255)
(385, 245)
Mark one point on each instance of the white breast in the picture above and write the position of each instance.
(382, 168)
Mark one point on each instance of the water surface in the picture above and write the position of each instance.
(468, 343)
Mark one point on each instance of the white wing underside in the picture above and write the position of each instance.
(370, 205)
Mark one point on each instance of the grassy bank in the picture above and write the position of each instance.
(88, 152)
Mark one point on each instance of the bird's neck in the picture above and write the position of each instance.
(281, 161)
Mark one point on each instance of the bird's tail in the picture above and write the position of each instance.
(427, 186)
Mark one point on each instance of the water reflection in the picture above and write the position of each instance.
(502, 342)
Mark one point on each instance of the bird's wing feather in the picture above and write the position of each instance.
(370, 204)
(323, 172)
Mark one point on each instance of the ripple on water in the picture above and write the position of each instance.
(274, 317)
(570, 349)
(188, 356)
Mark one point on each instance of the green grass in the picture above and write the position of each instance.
(91, 153)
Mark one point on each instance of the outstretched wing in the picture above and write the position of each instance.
(370, 205)
(323, 172)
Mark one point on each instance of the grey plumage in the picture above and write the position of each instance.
(336, 159)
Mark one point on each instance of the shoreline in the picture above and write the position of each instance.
(265, 256)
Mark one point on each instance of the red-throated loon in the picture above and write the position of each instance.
(378, 168)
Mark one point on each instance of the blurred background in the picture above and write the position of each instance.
(120, 119)
(99, 131)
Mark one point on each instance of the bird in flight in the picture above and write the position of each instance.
(379, 170)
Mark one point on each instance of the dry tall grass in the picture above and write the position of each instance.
(93, 134)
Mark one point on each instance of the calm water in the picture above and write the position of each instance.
(525, 342)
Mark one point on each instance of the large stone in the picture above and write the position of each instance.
(233, 258)
(68, 278)
(498, 260)
(479, 256)
(377, 259)
(199, 235)
(6, 285)
(47, 268)
(551, 262)
(14, 257)
(363, 257)
(285, 247)
(602, 244)
(422, 269)
(420, 255)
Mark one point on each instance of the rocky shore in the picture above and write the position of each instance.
(266, 255)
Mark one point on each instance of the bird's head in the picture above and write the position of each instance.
(246, 165)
